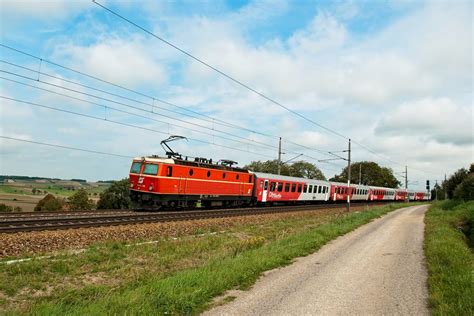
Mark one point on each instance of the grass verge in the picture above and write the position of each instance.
(449, 259)
(191, 290)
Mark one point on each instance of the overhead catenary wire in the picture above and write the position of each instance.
(239, 82)
(65, 147)
(128, 125)
(133, 114)
(215, 120)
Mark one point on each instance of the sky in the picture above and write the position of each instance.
(395, 76)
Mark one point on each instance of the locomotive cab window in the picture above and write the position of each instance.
(136, 166)
(150, 169)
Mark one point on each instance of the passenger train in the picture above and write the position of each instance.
(173, 182)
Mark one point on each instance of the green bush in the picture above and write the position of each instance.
(116, 196)
(80, 201)
(49, 203)
(7, 208)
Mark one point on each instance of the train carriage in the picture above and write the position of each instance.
(271, 188)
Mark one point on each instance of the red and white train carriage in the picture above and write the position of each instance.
(157, 182)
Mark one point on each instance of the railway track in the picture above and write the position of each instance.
(13, 223)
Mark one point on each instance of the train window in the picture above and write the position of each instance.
(208, 174)
(237, 176)
(265, 186)
(223, 175)
(293, 187)
(136, 166)
(305, 188)
(280, 186)
(310, 190)
(300, 188)
(169, 171)
(191, 171)
(315, 189)
(272, 186)
(250, 179)
(287, 187)
(320, 189)
(150, 169)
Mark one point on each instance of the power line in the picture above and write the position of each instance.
(214, 120)
(130, 113)
(64, 147)
(128, 125)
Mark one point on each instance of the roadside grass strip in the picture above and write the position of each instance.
(191, 290)
(449, 258)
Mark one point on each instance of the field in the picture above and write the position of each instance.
(27, 193)
(179, 270)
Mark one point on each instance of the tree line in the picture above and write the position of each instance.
(460, 185)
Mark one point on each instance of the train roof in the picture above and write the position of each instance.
(201, 163)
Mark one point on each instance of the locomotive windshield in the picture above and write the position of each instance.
(150, 169)
(136, 166)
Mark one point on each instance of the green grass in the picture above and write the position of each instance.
(177, 276)
(449, 259)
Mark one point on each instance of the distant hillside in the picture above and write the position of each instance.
(26, 178)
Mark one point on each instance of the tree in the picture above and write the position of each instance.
(453, 181)
(269, 166)
(465, 190)
(49, 203)
(306, 170)
(80, 201)
(371, 174)
(116, 196)
(437, 192)
(298, 169)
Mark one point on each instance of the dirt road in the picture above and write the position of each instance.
(376, 269)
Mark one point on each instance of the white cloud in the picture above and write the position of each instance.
(123, 61)
(432, 119)
(43, 10)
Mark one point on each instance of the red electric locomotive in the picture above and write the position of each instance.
(180, 183)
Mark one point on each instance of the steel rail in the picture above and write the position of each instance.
(66, 222)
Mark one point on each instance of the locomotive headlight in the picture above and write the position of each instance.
(131, 185)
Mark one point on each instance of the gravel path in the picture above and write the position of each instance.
(374, 270)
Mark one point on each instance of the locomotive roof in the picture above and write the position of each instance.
(190, 163)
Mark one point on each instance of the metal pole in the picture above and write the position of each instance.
(360, 173)
(444, 185)
(349, 176)
(436, 190)
(406, 183)
(279, 156)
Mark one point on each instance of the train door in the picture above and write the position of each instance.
(265, 191)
